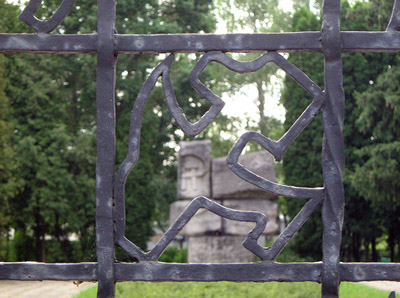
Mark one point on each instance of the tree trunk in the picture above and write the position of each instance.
(356, 244)
(43, 246)
(366, 244)
(374, 252)
(261, 108)
(40, 241)
(8, 244)
(391, 243)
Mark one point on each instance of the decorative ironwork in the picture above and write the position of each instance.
(28, 16)
(110, 207)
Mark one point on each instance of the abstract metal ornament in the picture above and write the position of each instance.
(134, 135)
(201, 202)
(278, 148)
(28, 16)
(394, 22)
(163, 69)
(107, 44)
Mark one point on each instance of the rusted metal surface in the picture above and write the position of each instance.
(110, 205)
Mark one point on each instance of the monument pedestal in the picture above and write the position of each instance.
(211, 238)
(219, 249)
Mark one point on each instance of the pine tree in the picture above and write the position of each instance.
(302, 163)
(52, 101)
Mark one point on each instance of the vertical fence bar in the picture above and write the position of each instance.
(105, 94)
(333, 149)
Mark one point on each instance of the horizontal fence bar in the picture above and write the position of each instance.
(41, 271)
(153, 271)
(163, 43)
(369, 271)
(48, 43)
(258, 272)
(354, 41)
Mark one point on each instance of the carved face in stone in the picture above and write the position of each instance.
(192, 171)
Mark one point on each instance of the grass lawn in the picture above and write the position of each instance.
(230, 289)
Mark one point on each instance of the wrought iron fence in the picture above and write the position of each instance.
(110, 207)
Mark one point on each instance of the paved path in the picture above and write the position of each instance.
(40, 289)
(384, 285)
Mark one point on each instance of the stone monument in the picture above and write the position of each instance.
(211, 238)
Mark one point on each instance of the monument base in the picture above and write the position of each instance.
(219, 249)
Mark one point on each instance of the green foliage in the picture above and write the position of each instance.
(301, 165)
(254, 16)
(50, 99)
(302, 162)
(10, 183)
(23, 246)
(376, 177)
(174, 255)
(223, 134)
(231, 289)
(361, 229)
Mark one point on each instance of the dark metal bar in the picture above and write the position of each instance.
(160, 43)
(41, 271)
(332, 149)
(369, 271)
(105, 94)
(354, 272)
(351, 41)
(260, 272)
(165, 43)
(48, 43)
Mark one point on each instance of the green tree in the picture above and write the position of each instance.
(377, 177)
(254, 16)
(9, 183)
(302, 161)
(53, 110)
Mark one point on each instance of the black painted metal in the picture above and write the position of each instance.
(110, 207)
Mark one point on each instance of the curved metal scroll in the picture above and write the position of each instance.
(28, 16)
(201, 202)
(394, 22)
(136, 124)
(279, 148)
(276, 148)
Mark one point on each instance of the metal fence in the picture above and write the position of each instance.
(110, 209)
